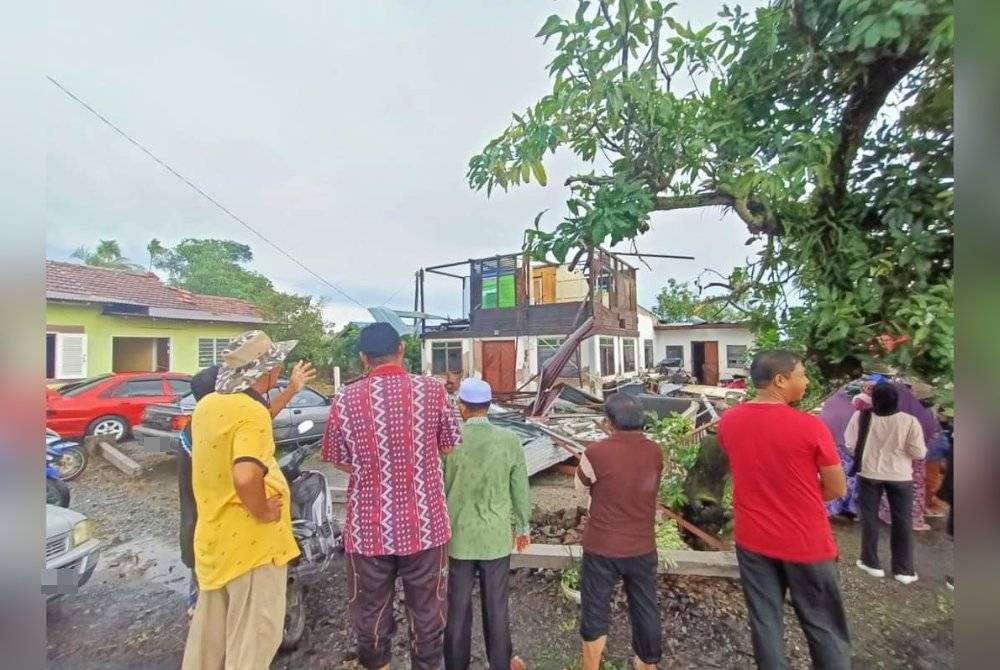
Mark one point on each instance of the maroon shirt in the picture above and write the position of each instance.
(623, 474)
(391, 428)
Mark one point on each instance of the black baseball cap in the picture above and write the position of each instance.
(203, 383)
(378, 340)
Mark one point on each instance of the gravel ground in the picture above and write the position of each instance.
(132, 613)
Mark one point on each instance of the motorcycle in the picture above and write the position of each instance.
(68, 456)
(316, 532)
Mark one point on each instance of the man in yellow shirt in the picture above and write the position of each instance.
(243, 539)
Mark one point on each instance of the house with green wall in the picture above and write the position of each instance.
(100, 320)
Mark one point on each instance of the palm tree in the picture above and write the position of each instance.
(155, 249)
(108, 254)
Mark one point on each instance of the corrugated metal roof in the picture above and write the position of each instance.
(540, 451)
(386, 315)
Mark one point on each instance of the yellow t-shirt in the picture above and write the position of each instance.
(228, 540)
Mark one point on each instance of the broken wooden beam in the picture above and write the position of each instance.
(119, 460)
(710, 540)
(674, 561)
(567, 443)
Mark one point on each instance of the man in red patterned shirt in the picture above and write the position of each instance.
(388, 431)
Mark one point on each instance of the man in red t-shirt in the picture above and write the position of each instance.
(784, 465)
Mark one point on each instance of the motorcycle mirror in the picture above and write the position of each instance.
(305, 427)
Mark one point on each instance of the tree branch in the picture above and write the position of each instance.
(868, 95)
(589, 180)
(756, 215)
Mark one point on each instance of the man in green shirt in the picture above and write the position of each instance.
(486, 482)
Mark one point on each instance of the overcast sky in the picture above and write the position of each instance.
(342, 131)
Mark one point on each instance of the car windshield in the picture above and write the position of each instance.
(82, 386)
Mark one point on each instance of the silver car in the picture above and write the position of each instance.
(71, 551)
(162, 423)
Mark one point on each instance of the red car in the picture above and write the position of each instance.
(110, 404)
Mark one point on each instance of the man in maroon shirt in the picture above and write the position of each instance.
(784, 465)
(388, 431)
(622, 476)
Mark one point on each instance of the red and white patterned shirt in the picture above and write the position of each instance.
(391, 429)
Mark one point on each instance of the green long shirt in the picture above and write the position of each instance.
(486, 481)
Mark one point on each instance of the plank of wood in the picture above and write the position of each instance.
(676, 562)
(120, 460)
(710, 540)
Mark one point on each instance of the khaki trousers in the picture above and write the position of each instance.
(239, 626)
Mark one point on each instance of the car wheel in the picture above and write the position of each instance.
(295, 616)
(109, 426)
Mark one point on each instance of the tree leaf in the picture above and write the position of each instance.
(552, 25)
(539, 171)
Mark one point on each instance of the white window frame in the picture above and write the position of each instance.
(446, 346)
(630, 342)
(553, 342)
(741, 363)
(600, 356)
(219, 343)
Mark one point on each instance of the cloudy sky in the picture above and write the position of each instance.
(341, 131)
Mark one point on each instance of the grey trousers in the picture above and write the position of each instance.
(815, 593)
(494, 589)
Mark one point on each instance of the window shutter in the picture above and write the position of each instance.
(71, 356)
(206, 352)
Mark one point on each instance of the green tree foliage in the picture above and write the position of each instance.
(677, 302)
(108, 254)
(345, 352)
(217, 267)
(825, 125)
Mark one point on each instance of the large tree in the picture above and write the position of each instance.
(825, 125)
(218, 267)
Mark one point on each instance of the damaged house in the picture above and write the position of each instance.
(520, 312)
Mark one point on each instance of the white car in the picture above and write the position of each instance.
(71, 551)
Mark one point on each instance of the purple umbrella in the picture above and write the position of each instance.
(837, 412)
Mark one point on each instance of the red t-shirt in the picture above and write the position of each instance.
(775, 453)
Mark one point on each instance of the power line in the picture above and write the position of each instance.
(201, 192)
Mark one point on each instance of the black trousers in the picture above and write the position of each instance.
(371, 585)
(599, 575)
(900, 495)
(815, 592)
(494, 588)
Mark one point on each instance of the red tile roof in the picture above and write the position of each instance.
(85, 283)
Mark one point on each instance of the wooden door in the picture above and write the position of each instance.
(162, 355)
(710, 370)
(499, 358)
(543, 286)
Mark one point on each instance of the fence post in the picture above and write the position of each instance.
(336, 378)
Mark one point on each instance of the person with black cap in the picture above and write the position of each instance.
(389, 431)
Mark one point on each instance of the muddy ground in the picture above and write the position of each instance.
(132, 613)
